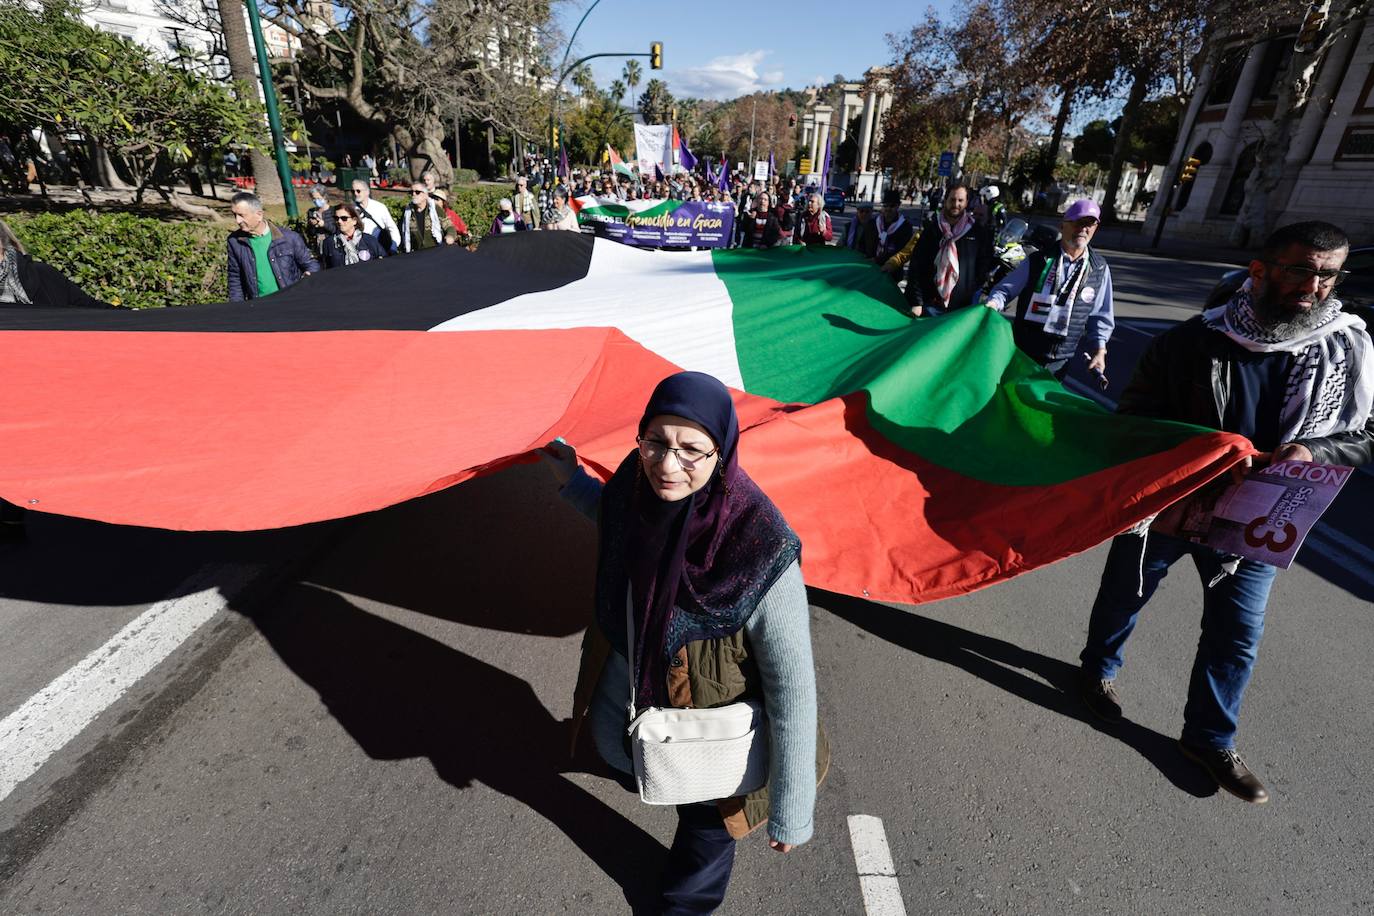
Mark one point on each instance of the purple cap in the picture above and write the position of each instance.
(1081, 208)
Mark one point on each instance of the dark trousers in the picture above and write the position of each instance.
(699, 862)
(1232, 624)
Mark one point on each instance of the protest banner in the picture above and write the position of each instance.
(653, 147)
(658, 223)
(1264, 517)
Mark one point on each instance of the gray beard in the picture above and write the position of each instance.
(1284, 325)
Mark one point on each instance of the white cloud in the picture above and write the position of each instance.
(724, 77)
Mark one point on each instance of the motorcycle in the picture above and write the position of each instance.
(1016, 241)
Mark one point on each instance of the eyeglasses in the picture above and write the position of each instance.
(653, 451)
(417, 193)
(1296, 273)
(343, 218)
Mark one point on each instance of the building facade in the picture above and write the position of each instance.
(1329, 170)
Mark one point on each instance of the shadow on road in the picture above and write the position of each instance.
(1004, 665)
(402, 695)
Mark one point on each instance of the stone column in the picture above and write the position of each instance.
(1314, 119)
(1226, 149)
(884, 103)
(866, 131)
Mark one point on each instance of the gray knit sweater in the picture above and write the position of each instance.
(779, 634)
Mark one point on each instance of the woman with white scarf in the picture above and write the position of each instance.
(350, 244)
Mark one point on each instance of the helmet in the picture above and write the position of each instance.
(989, 193)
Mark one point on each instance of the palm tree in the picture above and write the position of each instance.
(633, 73)
(584, 81)
(616, 91)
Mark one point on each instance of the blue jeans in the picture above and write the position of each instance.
(1232, 624)
(699, 862)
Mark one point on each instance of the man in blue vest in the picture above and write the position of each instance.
(1063, 297)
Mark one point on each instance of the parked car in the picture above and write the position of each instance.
(834, 200)
(1356, 291)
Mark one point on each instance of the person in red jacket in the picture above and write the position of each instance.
(463, 236)
(813, 226)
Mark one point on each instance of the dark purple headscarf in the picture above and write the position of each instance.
(696, 567)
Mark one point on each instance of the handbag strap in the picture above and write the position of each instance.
(630, 644)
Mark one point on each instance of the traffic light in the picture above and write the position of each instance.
(557, 137)
(1189, 168)
(791, 120)
(656, 56)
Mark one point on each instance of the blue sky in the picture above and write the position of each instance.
(725, 48)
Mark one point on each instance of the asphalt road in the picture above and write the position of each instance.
(372, 720)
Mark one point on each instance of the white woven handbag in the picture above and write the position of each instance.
(683, 756)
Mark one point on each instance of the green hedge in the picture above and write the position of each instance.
(138, 261)
(477, 206)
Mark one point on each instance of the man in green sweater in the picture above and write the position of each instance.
(263, 258)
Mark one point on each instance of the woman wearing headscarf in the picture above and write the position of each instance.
(720, 614)
(350, 244)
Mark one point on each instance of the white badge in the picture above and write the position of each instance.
(364, 255)
(1087, 294)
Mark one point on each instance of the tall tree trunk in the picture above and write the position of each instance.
(1057, 135)
(1255, 220)
(243, 69)
(1140, 82)
(1006, 153)
(491, 151)
(966, 128)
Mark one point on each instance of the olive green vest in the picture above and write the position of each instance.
(705, 674)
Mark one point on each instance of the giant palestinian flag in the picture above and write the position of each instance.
(915, 459)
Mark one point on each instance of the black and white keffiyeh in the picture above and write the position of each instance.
(11, 290)
(1330, 387)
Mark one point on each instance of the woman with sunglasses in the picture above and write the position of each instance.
(350, 244)
(713, 576)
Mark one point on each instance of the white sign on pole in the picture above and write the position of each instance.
(761, 170)
(653, 147)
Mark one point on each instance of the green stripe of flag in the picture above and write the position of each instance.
(817, 322)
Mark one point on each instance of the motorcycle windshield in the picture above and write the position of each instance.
(1012, 232)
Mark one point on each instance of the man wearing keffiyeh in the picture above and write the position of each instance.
(950, 258)
(1286, 365)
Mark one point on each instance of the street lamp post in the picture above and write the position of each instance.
(558, 87)
(273, 116)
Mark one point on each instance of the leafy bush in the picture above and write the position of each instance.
(477, 206)
(464, 176)
(124, 259)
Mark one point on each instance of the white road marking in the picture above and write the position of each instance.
(877, 876)
(59, 712)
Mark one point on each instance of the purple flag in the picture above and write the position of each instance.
(658, 172)
(770, 163)
(562, 161)
(723, 179)
(825, 167)
(685, 157)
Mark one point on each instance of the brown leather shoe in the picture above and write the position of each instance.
(1225, 766)
(1099, 695)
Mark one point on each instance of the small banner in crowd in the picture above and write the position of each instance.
(658, 223)
(653, 147)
